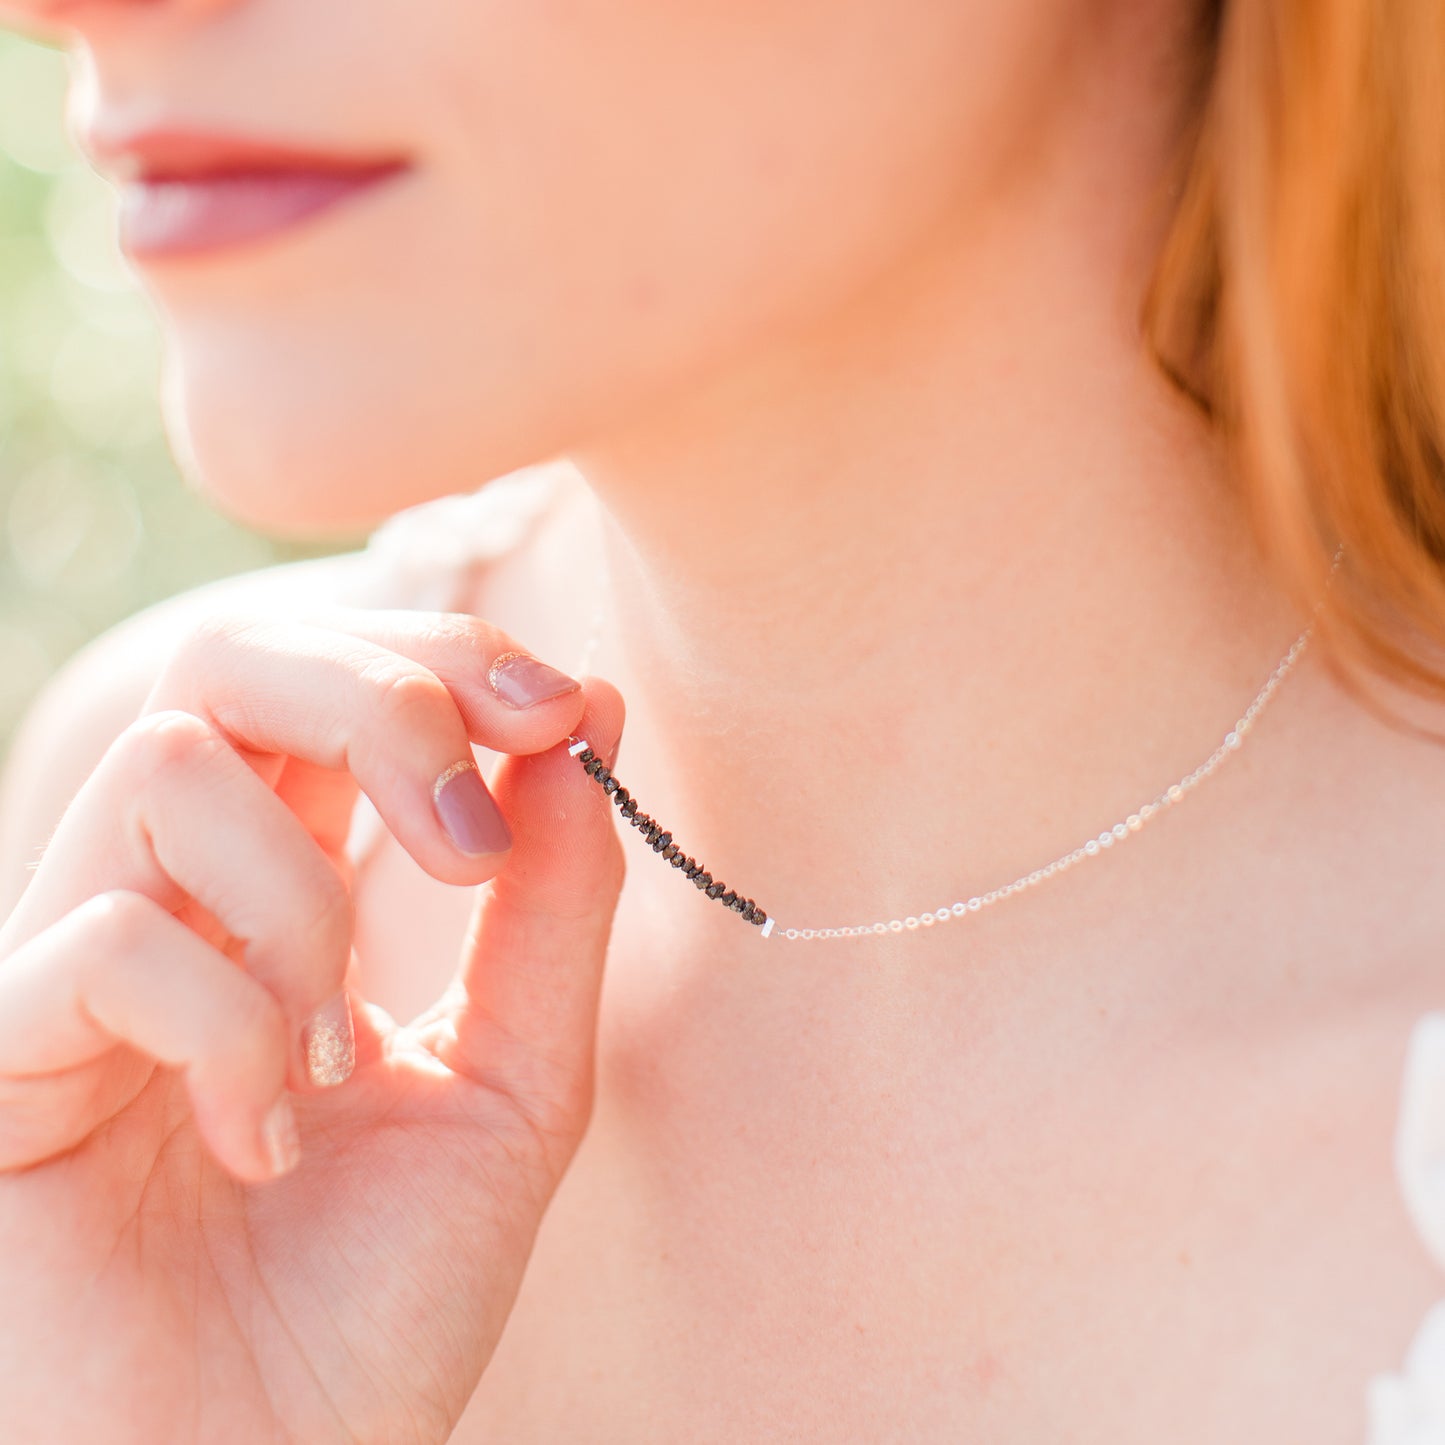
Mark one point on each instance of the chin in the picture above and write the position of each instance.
(303, 462)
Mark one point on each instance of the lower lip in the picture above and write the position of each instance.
(176, 216)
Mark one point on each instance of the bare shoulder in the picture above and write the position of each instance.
(99, 690)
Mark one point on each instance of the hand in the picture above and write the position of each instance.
(159, 1281)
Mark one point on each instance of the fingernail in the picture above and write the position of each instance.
(468, 811)
(280, 1136)
(330, 1042)
(521, 680)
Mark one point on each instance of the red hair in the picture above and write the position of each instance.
(1299, 299)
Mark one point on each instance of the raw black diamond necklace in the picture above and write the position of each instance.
(661, 841)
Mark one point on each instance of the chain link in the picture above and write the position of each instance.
(1171, 795)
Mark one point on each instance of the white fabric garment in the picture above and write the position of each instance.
(426, 556)
(1409, 1408)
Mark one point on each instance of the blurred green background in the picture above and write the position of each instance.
(95, 522)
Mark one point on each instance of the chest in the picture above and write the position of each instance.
(814, 1215)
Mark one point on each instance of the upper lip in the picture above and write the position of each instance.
(164, 152)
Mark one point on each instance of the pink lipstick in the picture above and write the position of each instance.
(188, 191)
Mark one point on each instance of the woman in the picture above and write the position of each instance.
(949, 416)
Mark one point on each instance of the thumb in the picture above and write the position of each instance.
(525, 997)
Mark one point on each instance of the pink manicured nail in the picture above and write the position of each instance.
(330, 1042)
(468, 812)
(520, 680)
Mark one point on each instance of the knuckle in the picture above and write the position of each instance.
(457, 629)
(124, 922)
(408, 699)
(557, 1111)
(194, 650)
(216, 628)
(166, 740)
(553, 1090)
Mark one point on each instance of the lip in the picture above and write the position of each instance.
(184, 191)
(165, 152)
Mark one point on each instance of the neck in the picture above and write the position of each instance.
(934, 591)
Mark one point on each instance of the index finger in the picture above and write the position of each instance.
(395, 698)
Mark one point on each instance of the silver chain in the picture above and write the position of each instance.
(1093, 847)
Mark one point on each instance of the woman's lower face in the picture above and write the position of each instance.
(602, 205)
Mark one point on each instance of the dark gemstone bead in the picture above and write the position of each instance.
(748, 909)
(585, 756)
(610, 785)
(759, 917)
(739, 904)
(690, 866)
(669, 851)
(654, 832)
(642, 823)
(728, 899)
(679, 859)
(629, 808)
(715, 890)
(661, 842)
(596, 767)
(621, 796)
(702, 879)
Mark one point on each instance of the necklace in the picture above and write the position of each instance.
(661, 841)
